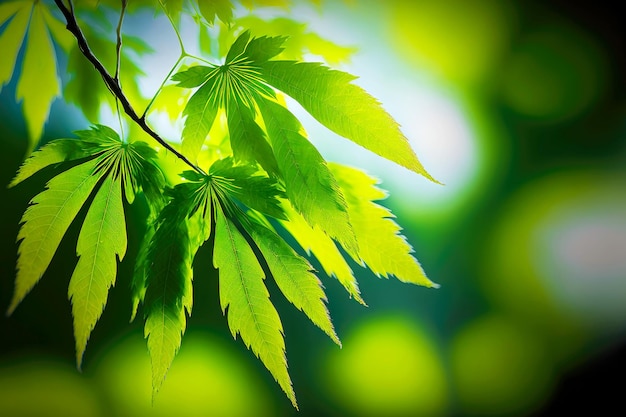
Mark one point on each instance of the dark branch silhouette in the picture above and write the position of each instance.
(113, 84)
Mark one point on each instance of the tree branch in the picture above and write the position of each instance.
(113, 84)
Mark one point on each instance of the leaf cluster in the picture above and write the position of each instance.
(252, 178)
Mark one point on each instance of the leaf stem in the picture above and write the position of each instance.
(167, 77)
(113, 84)
(118, 47)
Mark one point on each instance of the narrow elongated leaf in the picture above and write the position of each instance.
(201, 111)
(313, 240)
(294, 276)
(138, 282)
(343, 107)
(243, 293)
(37, 87)
(309, 183)
(102, 239)
(52, 153)
(247, 139)
(168, 295)
(237, 48)
(13, 35)
(45, 223)
(381, 246)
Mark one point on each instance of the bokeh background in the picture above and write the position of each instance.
(519, 107)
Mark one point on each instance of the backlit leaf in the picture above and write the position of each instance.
(46, 221)
(101, 242)
(248, 140)
(13, 35)
(309, 183)
(243, 293)
(381, 246)
(343, 107)
(313, 240)
(54, 152)
(294, 276)
(201, 111)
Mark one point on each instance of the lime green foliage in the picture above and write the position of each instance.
(382, 248)
(344, 108)
(250, 312)
(36, 89)
(102, 239)
(294, 276)
(244, 176)
(310, 185)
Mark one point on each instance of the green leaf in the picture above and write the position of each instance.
(194, 76)
(313, 240)
(201, 110)
(249, 186)
(54, 152)
(13, 35)
(102, 238)
(243, 293)
(59, 32)
(38, 84)
(209, 9)
(248, 140)
(294, 276)
(168, 294)
(309, 184)
(381, 246)
(46, 221)
(343, 107)
(238, 47)
(263, 48)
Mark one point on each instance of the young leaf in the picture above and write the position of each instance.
(313, 240)
(102, 238)
(381, 246)
(309, 184)
(250, 311)
(343, 107)
(294, 276)
(45, 223)
(168, 294)
(37, 88)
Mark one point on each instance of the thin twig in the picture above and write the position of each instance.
(113, 84)
(118, 47)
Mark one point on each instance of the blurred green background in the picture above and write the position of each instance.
(518, 107)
